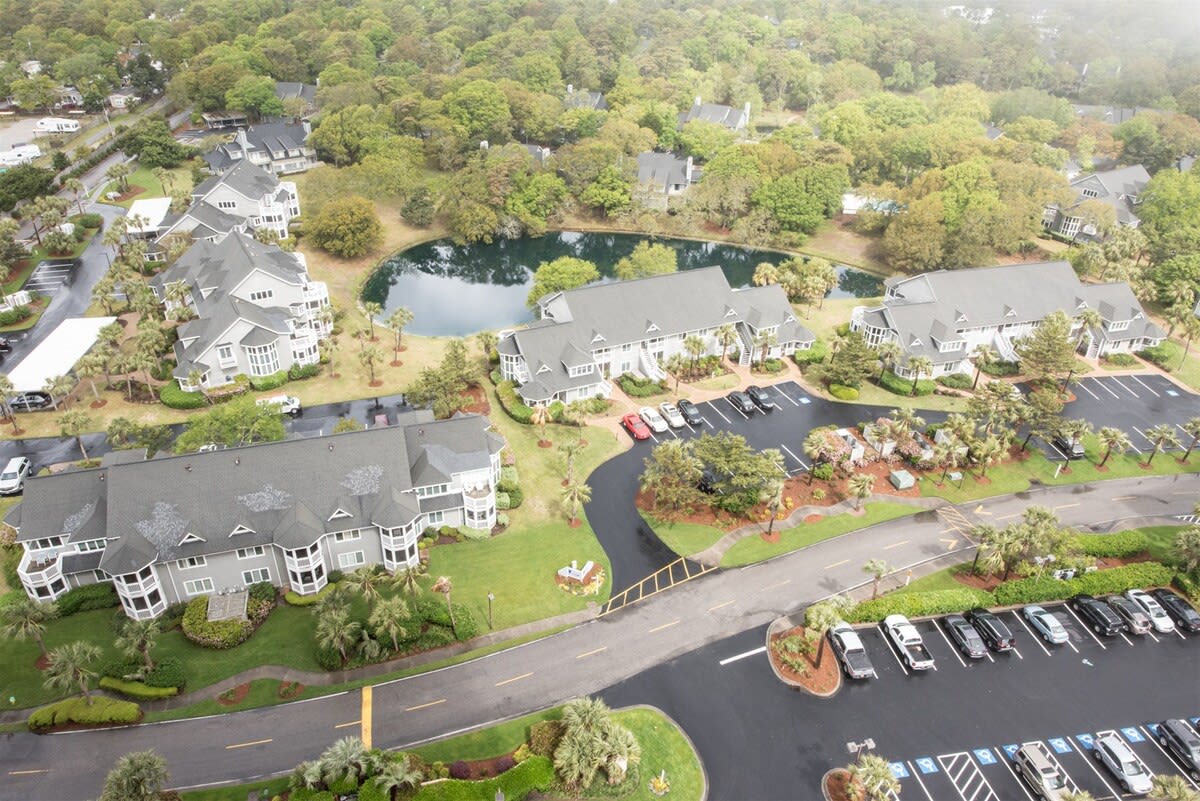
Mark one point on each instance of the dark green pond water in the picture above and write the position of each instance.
(455, 290)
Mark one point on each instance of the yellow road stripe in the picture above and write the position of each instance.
(425, 706)
(1066, 506)
(247, 745)
(592, 652)
(347, 724)
(367, 695)
(718, 606)
(895, 545)
(1125, 498)
(663, 626)
(514, 678)
(27, 772)
(837, 564)
(776, 584)
(1010, 517)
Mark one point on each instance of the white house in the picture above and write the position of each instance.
(277, 147)
(736, 120)
(1121, 189)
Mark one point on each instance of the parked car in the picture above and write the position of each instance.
(12, 480)
(1072, 450)
(761, 399)
(965, 636)
(1184, 615)
(30, 401)
(1035, 767)
(708, 481)
(850, 651)
(1181, 741)
(1097, 614)
(634, 425)
(908, 642)
(1046, 625)
(672, 415)
(690, 412)
(1112, 752)
(995, 633)
(1159, 618)
(741, 401)
(288, 404)
(5, 345)
(1136, 621)
(653, 419)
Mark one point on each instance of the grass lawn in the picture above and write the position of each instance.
(1186, 369)
(1162, 542)
(684, 539)
(941, 580)
(267, 788)
(181, 178)
(518, 567)
(486, 743)
(754, 549)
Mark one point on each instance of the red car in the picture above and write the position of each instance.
(635, 426)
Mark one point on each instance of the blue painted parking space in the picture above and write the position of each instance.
(1085, 740)
(899, 770)
(985, 756)
(1060, 745)
(1011, 749)
(926, 765)
(1132, 734)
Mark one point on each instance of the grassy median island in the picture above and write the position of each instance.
(756, 549)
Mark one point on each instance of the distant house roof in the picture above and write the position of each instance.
(287, 90)
(1110, 114)
(584, 99)
(1117, 188)
(665, 170)
(733, 119)
(275, 140)
(246, 178)
(540, 154)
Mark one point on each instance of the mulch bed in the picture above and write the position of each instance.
(479, 401)
(235, 696)
(838, 786)
(986, 582)
(290, 689)
(823, 679)
(133, 191)
(486, 768)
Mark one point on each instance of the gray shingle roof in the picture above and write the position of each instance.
(664, 170)
(275, 139)
(716, 113)
(286, 90)
(246, 178)
(1116, 188)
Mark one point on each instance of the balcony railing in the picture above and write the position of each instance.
(39, 568)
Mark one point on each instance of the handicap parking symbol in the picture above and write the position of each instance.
(898, 770)
(1172, 393)
(1059, 745)
(1133, 735)
(1153, 727)
(985, 756)
(1011, 750)
(806, 400)
(926, 765)
(1085, 740)
(1194, 721)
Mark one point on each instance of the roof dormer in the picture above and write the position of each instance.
(339, 514)
(189, 538)
(651, 326)
(241, 529)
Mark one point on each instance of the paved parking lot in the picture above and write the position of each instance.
(50, 276)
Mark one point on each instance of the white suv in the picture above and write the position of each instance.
(1112, 752)
(12, 480)
(1159, 618)
(288, 404)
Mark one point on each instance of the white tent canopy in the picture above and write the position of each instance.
(58, 352)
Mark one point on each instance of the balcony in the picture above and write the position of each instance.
(316, 291)
(39, 570)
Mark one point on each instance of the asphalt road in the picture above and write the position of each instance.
(581, 660)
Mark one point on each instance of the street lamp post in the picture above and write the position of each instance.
(490, 599)
(857, 749)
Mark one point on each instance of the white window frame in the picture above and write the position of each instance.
(433, 518)
(262, 294)
(199, 586)
(255, 575)
(351, 559)
(226, 205)
(191, 562)
(347, 536)
(225, 356)
(253, 552)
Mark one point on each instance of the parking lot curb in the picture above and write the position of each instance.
(783, 623)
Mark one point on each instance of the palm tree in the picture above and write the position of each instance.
(574, 494)
(1161, 435)
(877, 568)
(343, 760)
(408, 579)
(1187, 546)
(919, 366)
(398, 775)
(986, 453)
(861, 485)
(1190, 330)
(328, 351)
(985, 356)
(1088, 319)
(875, 775)
(397, 321)
(906, 420)
(577, 411)
(487, 343)
(6, 389)
(1172, 787)
(138, 776)
(694, 346)
(765, 274)
(138, 638)
(726, 336)
(73, 424)
(77, 189)
(369, 358)
(947, 453)
(371, 308)
(58, 388)
(1073, 431)
(889, 352)
(120, 173)
(444, 586)
(824, 615)
(540, 417)
(336, 630)
(1192, 429)
(815, 448)
(387, 619)
(985, 536)
(773, 493)
(365, 581)
(1112, 439)
(765, 339)
(569, 451)
(25, 617)
(70, 666)
(90, 366)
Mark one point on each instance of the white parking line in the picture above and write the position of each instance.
(953, 650)
(739, 411)
(966, 776)
(653, 437)
(1128, 641)
(713, 406)
(1036, 638)
(1083, 386)
(1169, 757)
(1089, 759)
(1150, 634)
(788, 451)
(1122, 386)
(1008, 764)
(784, 394)
(891, 649)
(916, 774)
(704, 420)
(1085, 628)
(1143, 434)
(1188, 437)
(1104, 387)
(1046, 752)
(1179, 634)
(1145, 767)
(1144, 384)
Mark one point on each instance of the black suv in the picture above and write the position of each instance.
(5, 345)
(1072, 450)
(741, 401)
(1185, 617)
(1178, 739)
(689, 412)
(761, 399)
(993, 630)
(28, 401)
(1097, 615)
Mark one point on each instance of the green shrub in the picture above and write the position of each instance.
(213, 633)
(814, 355)
(1188, 585)
(175, 398)
(136, 689)
(294, 599)
(503, 501)
(1098, 582)
(636, 387)
(544, 736)
(1120, 360)
(263, 591)
(87, 598)
(956, 381)
(512, 403)
(597, 405)
(1159, 354)
(15, 315)
(502, 521)
(769, 366)
(515, 497)
(329, 659)
(556, 410)
(88, 220)
(305, 794)
(344, 785)
(920, 604)
(167, 673)
(535, 773)
(1119, 545)
(101, 712)
(299, 372)
(161, 371)
(475, 534)
(508, 477)
(904, 386)
(843, 392)
(272, 381)
(823, 471)
(335, 576)
(1001, 369)
(843, 330)
(370, 791)
(434, 637)
(495, 377)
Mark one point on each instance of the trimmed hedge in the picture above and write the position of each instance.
(15, 315)
(213, 633)
(136, 689)
(1001, 369)
(167, 673)
(535, 773)
(843, 392)
(295, 599)
(1159, 354)
(636, 387)
(1098, 582)
(921, 604)
(904, 386)
(1117, 545)
(87, 598)
(305, 794)
(299, 372)
(814, 355)
(263, 591)
(503, 502)
(955, 380)
(1120, 360)
(511, 402)
(509, 477)
(515, 497)
(101, 712)
(272, 381)
(175, 398)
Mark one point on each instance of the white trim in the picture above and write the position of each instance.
(351, 559)
(256, 574)
(253, 552)
(190, 537)
(190, 562)
(199, 586)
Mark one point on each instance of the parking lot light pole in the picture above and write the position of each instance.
(857, 749)
(490, 599)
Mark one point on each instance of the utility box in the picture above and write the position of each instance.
(902, 479)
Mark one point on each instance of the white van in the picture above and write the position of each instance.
(12, 480)
(56, 125)
(288, 404)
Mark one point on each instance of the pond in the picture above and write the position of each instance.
(456, 290)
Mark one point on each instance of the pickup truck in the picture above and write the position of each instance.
(908, 642)
(850, 652)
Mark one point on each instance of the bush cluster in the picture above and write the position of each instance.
(1188, 585)
(459, 769)
(1159, 354)
(294, 599)
(215, 633)
(263, 591)
(167, 673)
(1098, 582)
(544, 736)
(137, 689)
(769, 366)
(814, 355)
(1120, 360)
(88, 220)
(904, 386)
(1118, 545)
(503, 502)
(823, 471)
(955, 381)
(511, 402)
(509, 478)
(272, 381)
(87, 598)
(920, 604)
(515, 498)
(15, 315)
(535, 773)
(299, 372)
(101, 712)
(843, 392)
(175, 398)
(1001, 369)
(636, 387)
